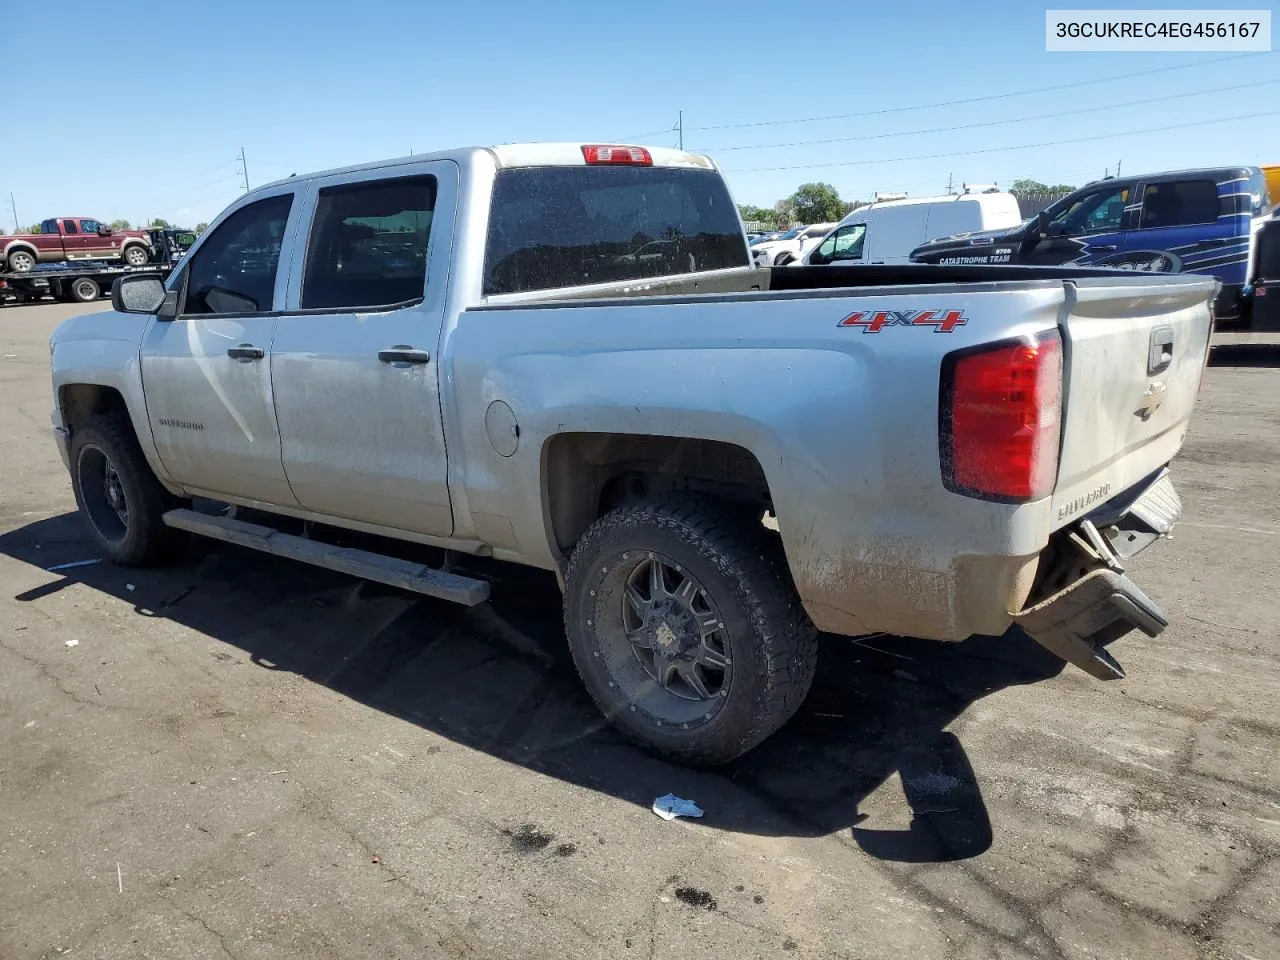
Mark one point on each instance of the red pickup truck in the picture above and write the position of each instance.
(74, 238)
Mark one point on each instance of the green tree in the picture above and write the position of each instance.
(1035, 186)
(121, 225)
(159, 223)
(750, 212)
(34, 228)
(201, 227)
(784, 212)
(817, 203)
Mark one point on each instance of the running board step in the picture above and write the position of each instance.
(358, 563)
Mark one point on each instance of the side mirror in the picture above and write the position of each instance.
(1042, 223)
(105, 231)
(137, 294)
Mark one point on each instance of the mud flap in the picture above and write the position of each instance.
(1078, 621)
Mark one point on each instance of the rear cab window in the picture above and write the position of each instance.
(1260, 199)
(555, 227)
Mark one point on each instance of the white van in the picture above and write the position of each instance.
(887, 231)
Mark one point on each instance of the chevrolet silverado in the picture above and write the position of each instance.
(560, 355)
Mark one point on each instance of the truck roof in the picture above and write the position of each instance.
(514, 155)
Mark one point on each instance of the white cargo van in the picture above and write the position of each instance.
(887, 231)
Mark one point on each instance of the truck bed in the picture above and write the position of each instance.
(776, 279)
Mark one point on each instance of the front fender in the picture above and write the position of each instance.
(82, 354)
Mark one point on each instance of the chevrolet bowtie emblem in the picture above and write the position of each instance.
(1151, 401)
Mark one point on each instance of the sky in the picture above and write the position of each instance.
(145, 114)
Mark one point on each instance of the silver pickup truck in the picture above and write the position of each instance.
(560, 355)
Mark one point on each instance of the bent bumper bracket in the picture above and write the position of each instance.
(1078, 621)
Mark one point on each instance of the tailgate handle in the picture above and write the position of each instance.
(1161, 353)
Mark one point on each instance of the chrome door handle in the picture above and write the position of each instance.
(1104, 247)
(403, 353)
(246, 351)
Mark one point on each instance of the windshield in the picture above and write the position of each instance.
(568, 226)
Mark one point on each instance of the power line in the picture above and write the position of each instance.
(995, 123)
(184, 191)
(986, 98)
(1021, 146)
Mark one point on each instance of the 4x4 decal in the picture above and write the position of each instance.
(873, 321)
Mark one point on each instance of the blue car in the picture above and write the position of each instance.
(1193, 221)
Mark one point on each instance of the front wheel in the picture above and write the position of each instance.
(782, 259)
(686, 629)
(119, 497)
(135, 255)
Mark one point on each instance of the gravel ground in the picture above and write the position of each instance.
(243, 757)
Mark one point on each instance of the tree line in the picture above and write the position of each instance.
(821, 203)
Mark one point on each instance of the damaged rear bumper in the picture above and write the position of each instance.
(1078, 622)
(1102, 604)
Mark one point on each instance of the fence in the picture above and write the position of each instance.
(1029, 204)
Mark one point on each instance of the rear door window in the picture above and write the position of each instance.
(69, 226)
(368, 244)
(567, 226)
(234, 271)
(1180, 203)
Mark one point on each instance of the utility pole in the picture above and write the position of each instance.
(14, 208)
(244, 169)
(680, 128)
(948, 184)
(1118, 162)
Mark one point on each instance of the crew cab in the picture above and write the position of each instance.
(73, 238)
(560, 355)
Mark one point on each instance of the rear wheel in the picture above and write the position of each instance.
(22, 261)
(118, 495)
(85, 290)
(686, 629)
(135, 255)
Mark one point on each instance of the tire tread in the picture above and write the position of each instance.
(739, 546)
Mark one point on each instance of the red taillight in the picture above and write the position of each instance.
(624, 156)
(1001, 417)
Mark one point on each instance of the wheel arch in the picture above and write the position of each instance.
(95, 375)
(587, 474)
(27, 245)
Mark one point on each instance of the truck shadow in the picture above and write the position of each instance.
(498, 678)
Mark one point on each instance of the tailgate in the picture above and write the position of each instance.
(1135, 349)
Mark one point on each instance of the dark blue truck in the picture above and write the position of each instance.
(1192, 221)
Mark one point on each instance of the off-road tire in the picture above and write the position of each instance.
(772, 642)
(143, 539)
